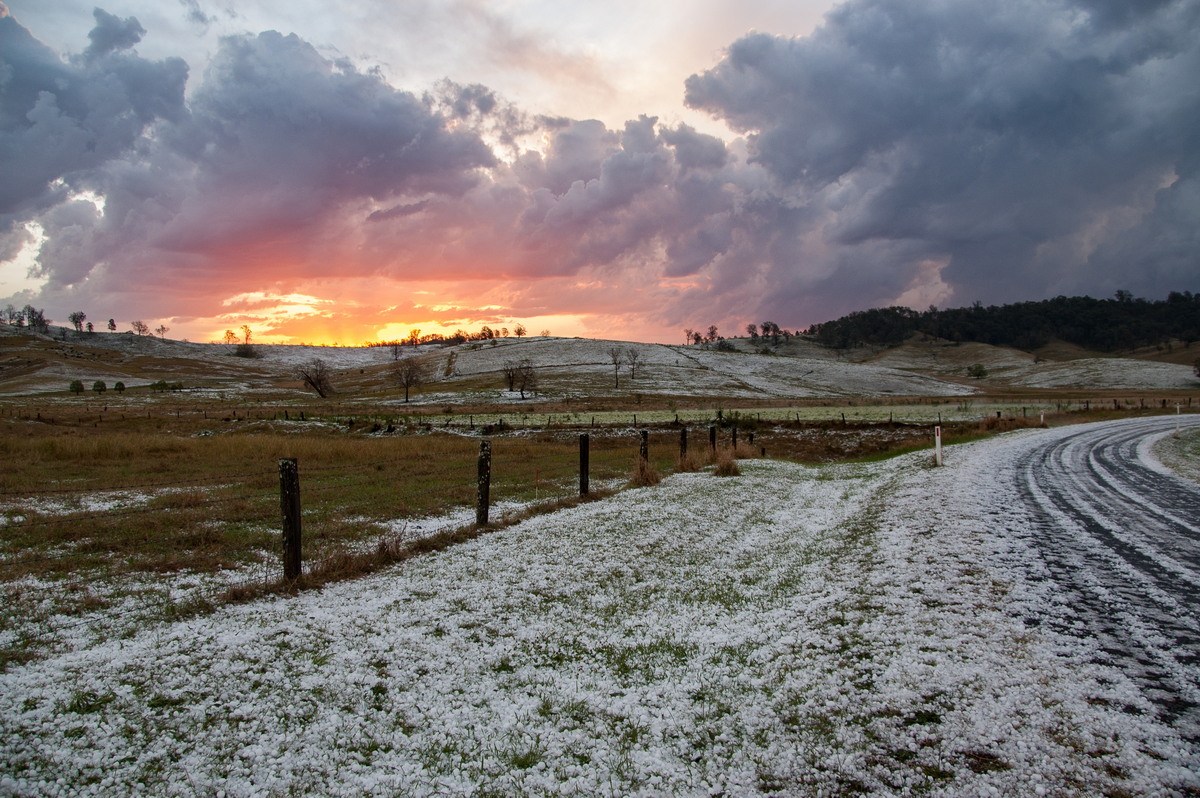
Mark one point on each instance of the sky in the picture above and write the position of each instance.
(346, 173)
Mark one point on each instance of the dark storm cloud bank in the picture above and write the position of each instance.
(917, 150)
(1036, 147)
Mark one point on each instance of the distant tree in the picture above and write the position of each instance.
(99, 387)
(632, 359)
(91, 328)
(230, 337)
(76, 386)
(617, 356)
(36, 320)
(752, 331)
(119, 387)
(112, 325)
(697, 337)
(687, 336)
(414, 337)
(77, 319)
(162, 331)
(511, 369)
(519, 331)
(486, 334)
(410, 374)
(527, 379)
(544, 333)
(712, 334)
(140, 327)
(10, 313)
(977, 371)
(246, 333)
(503, 332)
(316, 376)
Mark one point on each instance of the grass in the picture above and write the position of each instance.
(97, 499)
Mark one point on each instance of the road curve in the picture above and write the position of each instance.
(1119, 537)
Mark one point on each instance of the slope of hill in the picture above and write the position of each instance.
(572, 368)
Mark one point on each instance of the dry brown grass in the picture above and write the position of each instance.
(645, 475)
(726, 463)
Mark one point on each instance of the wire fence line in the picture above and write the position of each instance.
(190, 543)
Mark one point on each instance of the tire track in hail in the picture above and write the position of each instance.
(1120, 540)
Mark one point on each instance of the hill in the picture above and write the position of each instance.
(573, 368)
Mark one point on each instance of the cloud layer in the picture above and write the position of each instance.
(917, 152)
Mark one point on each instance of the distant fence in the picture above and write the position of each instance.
(114, 557)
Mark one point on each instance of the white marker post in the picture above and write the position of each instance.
(1177, 406)
(937, 442)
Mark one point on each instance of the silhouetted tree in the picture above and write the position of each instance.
(77, 319)
(616, 355)
(632, 359)
(316, 376)
(112, 325)
(140, 327)
(410, 374)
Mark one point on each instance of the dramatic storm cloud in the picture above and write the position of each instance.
(915, 153)
(1023, 149)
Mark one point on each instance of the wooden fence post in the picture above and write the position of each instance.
(583, 464)
(644, 448)
(712, 438)
(289, 500)
(733, 439)
(484, 484)
(683, 443)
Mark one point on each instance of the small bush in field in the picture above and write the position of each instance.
(645, 475)
(693, 461)
(727, 465)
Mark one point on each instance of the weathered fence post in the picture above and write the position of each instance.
(583, 464)
(683, 443)
(644, 448)
(712, 438)
(289, 500)
(733, 439)
(483, 487)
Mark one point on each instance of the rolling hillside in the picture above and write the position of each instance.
(571, 368)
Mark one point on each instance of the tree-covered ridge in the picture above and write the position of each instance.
(1105, 325)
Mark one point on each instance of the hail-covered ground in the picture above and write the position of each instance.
(793, 630)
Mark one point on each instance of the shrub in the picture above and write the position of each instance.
(694, 460)
(76, 386)
(977, 371)
(645, 475)
(727, 465)
(245, 350)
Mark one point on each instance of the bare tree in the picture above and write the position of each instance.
(527, 379)
(632, 359)
(140, 327)
(162, 331)
(246, 334)
(519, 331)
(687, 336)
(414, 337)
(410, 374)
(316, 375)
(230, 337)
(78, 318)
(511, 369)
(617, 356)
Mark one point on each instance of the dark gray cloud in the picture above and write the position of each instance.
(111, 34)
(1025, 144)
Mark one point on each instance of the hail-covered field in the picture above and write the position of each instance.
(794, 630)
